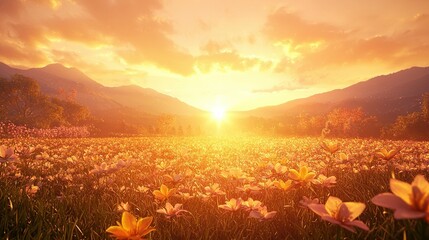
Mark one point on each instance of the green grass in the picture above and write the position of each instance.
(74, 204)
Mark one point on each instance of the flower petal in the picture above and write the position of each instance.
(147, 231)
(159, 195)
(161, 210)
(164, 189)
(168, 206)
(343, 213)
(309, 176)
(331, 220)
(128, 221)
(319, 209)
(421, 183)
(332, 205)
(255, 214)
(270, 214)
(355, 209)
(303, 171)
(389, 200)
(118, 232)
(293, 174)
(408, 214)
(359, 224)
(351, 229)
(143, 225)
(402, 190)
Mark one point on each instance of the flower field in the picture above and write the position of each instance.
(213, 188)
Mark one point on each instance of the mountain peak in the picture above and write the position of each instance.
(61, 71)
(58, 68)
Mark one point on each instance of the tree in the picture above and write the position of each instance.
(73, 113)
(166, 123)
(411, 126)
(24, 104)
(343, 122)
(425, 107)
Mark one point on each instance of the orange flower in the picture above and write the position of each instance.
(330, 146)
(131, 228)
(387, 155)
(164, 193)
(231, 205)
(341, 213)
(410, 201)
(302, 176)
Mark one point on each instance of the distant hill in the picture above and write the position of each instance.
(133, 103)
(385, 96)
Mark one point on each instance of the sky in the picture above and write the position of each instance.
(238, 54)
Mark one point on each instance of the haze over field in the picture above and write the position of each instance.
(238, 54)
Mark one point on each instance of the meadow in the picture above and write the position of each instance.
(207, 188)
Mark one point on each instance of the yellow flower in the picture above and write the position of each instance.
(280, 169)
(170, 211)
(131, 228)
(387, 155)
(410, 201)
(262, 214)
(302, 176)
(123, 207)
(330, 146)
(164, 193)
(325, 181)
(341, 213)
(280, 184)
(344, 157)
(214, 189)
(31, 190)
(251, 204)
(231, 205)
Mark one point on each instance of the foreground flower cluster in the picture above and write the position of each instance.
(215, 187)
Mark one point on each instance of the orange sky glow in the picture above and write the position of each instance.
(240, 54)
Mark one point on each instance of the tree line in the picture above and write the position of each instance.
(345, 122)
(22, 103)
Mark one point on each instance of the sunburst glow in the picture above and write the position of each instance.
(218, 113)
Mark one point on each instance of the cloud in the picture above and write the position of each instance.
(222, 56)
(131, 27)
(287, 26)
(17, 55)
(10, 9)
(322, 53)
(278, 88)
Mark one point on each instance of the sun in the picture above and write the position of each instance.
(218, 113)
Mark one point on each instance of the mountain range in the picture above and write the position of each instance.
(385, 96)
(134, 103)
